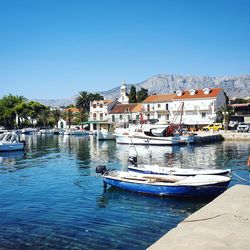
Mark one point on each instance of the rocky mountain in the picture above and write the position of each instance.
(56, 102)
(234, 86)
(238, 86)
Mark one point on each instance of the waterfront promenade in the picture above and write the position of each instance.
(222, 224)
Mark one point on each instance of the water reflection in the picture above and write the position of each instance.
(51, 196)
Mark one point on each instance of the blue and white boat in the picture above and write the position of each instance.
(156, 169)
(11, 142)
(178, 186)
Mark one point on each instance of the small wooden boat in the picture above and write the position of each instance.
(178, 186)
(155, 169)
(10, 142)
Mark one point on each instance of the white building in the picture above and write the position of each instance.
(123, 99)
(99, 111)
(62, 124)
(158, 107)
(199, 106)
(125, 113)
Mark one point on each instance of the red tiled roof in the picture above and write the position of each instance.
(199, 94)
(159, 98)
(107, 101)
(73, 110)
(126, 108)
(236, 105)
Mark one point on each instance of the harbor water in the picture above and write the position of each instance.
(51, 197)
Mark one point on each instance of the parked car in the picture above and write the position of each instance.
(243, 127)
(214, 127)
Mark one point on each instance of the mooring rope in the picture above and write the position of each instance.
(239, 177)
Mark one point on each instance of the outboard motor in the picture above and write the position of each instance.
(101, 169)
(133, 160)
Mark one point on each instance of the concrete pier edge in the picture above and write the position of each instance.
(224, 223)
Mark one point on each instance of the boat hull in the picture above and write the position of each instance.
(178, 172)
(145, 141)
(11, 146)
(199, 191)
(103, 135)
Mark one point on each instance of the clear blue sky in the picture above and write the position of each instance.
(56, 48)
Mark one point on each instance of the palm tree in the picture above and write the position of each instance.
(82, 101)
(82, 104)
(56, 114)
(44, 115)
(69, 117)
(224, 113)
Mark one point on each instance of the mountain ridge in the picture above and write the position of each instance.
(234, 86)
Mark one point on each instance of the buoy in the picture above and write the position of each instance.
(248, 162)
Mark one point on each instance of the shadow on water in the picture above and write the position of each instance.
(184, 204)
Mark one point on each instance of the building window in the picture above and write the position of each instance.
(148, 116)
(148, 107)
(159, 116)
(128, 117)
(166, 106)
(101, 105)
(167, 117)
(113, 118)
(137, 117)
(120, 117)
(203, 114)
(101, 116)
(94, 116)
(94, 106)
(159, 105)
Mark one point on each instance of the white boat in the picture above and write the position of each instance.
(105, 131)
(29, 131)
(76, 132)
(155, 169)
(10, 142)
(80, 132)
(147, 140)
(189, 186)
(105, 135)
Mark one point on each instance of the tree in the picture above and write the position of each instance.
(44, 116)
(56, 114)
(132, 95)
(142, 95)
(8, 112)
(83, 103)
(224, 114)
(35, 109)
(69, 117)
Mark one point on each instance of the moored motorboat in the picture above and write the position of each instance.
(29, 131)
(155, 169)
(105, 135)
(11, 142)
(147, 140)
(177, 186)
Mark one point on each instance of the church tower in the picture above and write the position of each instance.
(124, 95)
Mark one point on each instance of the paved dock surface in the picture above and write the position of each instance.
(224, 223)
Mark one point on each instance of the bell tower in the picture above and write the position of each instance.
(123, 94)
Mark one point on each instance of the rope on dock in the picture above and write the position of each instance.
(240, 177)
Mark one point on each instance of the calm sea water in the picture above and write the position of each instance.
(51, 197)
